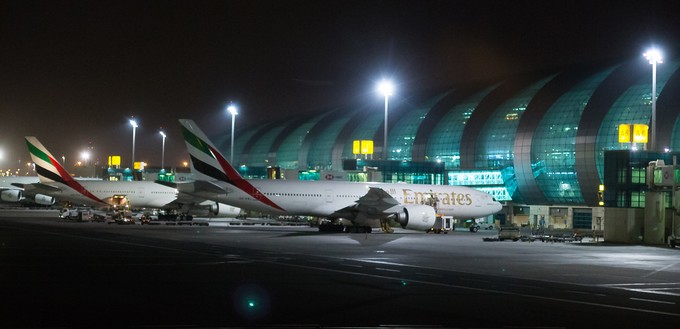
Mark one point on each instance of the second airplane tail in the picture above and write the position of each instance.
(208, 164)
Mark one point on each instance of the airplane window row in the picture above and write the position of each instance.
(293, 194)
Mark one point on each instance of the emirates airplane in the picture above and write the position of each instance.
(365, 205)
(55, 181)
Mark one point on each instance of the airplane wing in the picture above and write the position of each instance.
(30, 190)
(376, 201)
(43, 187)
(193, 192)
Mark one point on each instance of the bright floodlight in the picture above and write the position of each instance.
(232, 109)
(653, 56)
(85, 155)
(133, 123)
(162, 133)
(385, 87)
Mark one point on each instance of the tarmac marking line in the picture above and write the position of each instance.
(659, 270)
(386, 269)
(487, 290)
(652, 301)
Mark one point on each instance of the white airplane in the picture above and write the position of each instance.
(57, 182)
(366, 205)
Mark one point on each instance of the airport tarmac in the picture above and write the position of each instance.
(57, 274)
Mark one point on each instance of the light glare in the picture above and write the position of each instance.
(232, 109)
(133, 123)
(653, 56)
(385, 87)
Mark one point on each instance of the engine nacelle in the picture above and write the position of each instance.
(11, 195)
(44, 200)
(417, 217)
(214, 209)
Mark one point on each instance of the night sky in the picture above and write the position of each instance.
(73, 72)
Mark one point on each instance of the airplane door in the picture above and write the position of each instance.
(141, 193)
(329, 196)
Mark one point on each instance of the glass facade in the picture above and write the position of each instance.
(320, 152)
(495, 148)
(258, 156)
(634, 106)
(558, 144)
(239, 144)
(287, 156)
(365, 130)
(444, 142)
(552, 149)
(402, 135)
(675, 138)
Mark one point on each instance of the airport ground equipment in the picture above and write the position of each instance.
(509, 232)
(76, 214)
(441, 225)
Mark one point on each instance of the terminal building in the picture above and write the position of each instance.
(536, 141)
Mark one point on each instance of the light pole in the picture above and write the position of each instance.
(653, 56)
(163, 151)
(133, 123)
(232, 109)
(385, 87)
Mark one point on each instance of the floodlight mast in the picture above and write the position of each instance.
(386, 88)
(162, 133)
(654, 57)
(133, 123)
(233, 111)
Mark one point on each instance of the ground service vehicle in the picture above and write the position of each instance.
(76, 214)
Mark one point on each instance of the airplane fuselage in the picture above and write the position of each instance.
(325, 198)
(140, 194)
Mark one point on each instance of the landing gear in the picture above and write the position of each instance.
(385, 226)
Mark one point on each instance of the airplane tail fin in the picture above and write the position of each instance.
(50, 171)
(208, 164)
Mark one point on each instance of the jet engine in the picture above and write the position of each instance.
(43, 199)
(417, 217)
(214, 209)
(11, 195)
